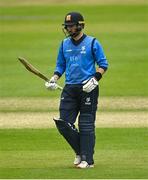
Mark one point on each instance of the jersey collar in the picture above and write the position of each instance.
(79, 41)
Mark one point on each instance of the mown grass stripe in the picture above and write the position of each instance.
(30, 104)
(43, 153)
(45, 120)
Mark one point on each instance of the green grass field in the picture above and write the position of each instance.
(29, 149)
(120, 153)
(35, 33)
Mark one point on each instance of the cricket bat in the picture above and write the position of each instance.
(35, 71)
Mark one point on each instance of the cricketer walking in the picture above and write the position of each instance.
(78, 56)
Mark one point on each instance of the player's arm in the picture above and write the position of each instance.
(60, 63)
(100, 70)
(102, 67)
(59, 70)
(100, 60)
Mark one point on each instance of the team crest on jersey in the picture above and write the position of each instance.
(83, 50)
(88, 101)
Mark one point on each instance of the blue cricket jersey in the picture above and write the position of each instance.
(78, 60)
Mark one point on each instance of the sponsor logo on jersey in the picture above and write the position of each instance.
(68, 50)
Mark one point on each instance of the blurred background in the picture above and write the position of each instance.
(32, 29)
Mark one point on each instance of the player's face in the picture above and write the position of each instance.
(71, 29)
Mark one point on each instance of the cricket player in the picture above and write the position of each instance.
(78, 56)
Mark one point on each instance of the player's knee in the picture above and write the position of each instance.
(86, 123)
(64, 127)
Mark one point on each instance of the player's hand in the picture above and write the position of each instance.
(90, 85)
(51, 84)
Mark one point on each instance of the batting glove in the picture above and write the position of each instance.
(51, 85)
(90, 85)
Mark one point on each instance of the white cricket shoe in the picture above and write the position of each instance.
(84, 165)
(77, 160)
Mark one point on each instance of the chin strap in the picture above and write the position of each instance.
(64, 31)
(75, 34)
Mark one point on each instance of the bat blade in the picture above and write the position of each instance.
(32, 69)
(35, 71)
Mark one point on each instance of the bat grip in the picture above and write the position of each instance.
(59, 87)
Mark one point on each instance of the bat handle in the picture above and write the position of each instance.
(59, 87)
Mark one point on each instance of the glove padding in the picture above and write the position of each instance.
(51, 85)
(90, 85)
